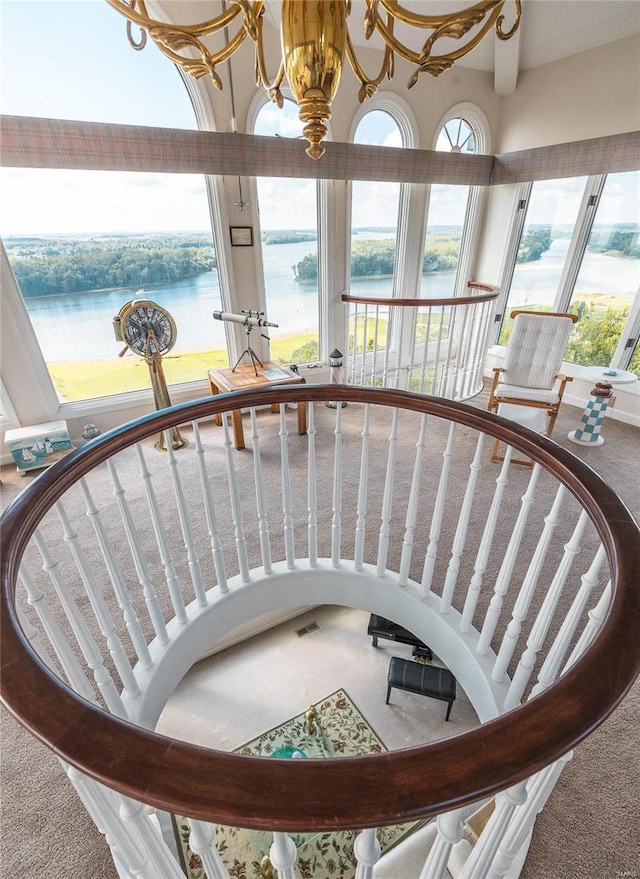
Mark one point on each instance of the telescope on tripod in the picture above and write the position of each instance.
(249, 318)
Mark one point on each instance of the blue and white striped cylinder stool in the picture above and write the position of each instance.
(588, 432)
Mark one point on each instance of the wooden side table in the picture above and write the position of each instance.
(223, 380)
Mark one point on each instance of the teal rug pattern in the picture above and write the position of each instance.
(336, 728)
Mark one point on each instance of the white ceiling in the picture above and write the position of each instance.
(549, 30)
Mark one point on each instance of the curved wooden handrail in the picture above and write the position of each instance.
(490, 294)
(365, 791)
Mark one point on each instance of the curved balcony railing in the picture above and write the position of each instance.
(433, 346)
(524, 584)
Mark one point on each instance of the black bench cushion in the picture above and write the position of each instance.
(429, 680)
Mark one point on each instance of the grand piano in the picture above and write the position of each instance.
(380, 627)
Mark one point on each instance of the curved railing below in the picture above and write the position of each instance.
(411, 559)
(433, 346)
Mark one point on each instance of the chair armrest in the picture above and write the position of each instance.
(492, 405)
(563, 379)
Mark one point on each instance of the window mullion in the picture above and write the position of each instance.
(581, 233)
(522, 196)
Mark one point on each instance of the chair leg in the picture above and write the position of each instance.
(388, 694)
(448, 710)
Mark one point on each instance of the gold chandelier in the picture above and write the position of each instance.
(315, 40)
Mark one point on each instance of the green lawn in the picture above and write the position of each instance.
(83, 379)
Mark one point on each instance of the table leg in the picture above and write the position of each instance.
(215, 390)
(302, 418)
(238, 433)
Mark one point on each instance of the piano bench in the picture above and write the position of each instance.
(425, 680)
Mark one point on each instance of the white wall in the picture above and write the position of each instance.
(588, 95)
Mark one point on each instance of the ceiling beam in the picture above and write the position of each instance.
(507, 63)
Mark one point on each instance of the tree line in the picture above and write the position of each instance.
(45, 267)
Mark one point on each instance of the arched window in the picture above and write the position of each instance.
(375, 208)
(83, 243)
(451, 213)
(289, 231)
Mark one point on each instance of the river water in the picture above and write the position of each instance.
(76, 326)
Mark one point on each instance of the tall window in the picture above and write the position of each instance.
(374, 215)
(288, 221)
(447, 212)
(83, 243)
(609, 276)
(551, 212)
(579, 251)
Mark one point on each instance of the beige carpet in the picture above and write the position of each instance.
(589, 829)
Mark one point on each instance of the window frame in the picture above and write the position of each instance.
(587, 213)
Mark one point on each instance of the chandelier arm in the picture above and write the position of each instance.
(142, 18)
(165, 38)
(506, 35)
(435, 21)
(261, 74)
(369, 85)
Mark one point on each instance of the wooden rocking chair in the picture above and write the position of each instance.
(528, 388)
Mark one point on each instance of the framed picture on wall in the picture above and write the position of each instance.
(241, 236)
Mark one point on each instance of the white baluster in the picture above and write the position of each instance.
(354, 350)
(436, 518)
(80, 629)
(210, 513)
(32, 635)
(540, 627)
(595, 619)
(484, 851)
(283, 855)
(336, 520)
(462, 527)
(446, 368)
(361, 516)
(449, 832)
(401, 314)
(374, 360)
(503, 579)
(100, 611)
(287, 505)
(137, 553)
(412, 348)
(425, 347)
(387, 500)
(484, 549)
(234, 501)
(557, 652)
(261, 507)
(150, 841)
(202, 841)
(457, 374)
(162, 542)
(523, 601)
(538, 789)
(72, 669)
(104, 807)
(185, 525)
(366, 848)
(363, 362)
(312, 496)
(412, 506)
(387, 351)
(436, 359)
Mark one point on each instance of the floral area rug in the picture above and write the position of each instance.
(332, 727)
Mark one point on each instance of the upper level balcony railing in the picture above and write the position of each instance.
(123, 566)
(432, 346)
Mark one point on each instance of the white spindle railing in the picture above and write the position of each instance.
(427, 547)
(428, 345)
